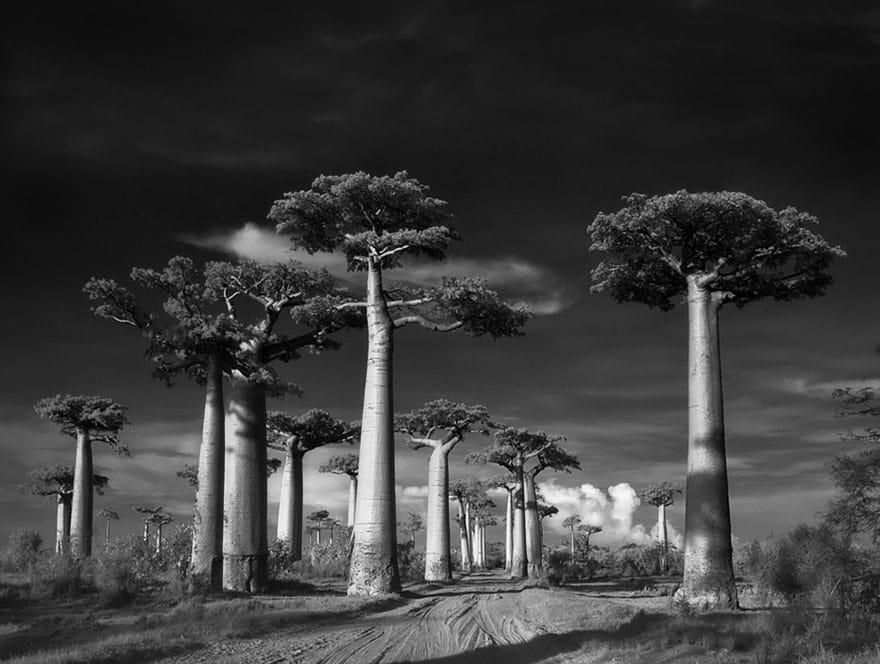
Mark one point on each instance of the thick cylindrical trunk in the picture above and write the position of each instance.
(206, 567)
(107, 533)
(508, 532)
(290, 504)
(352, 499)
(318, 536)
(146, 531)
(245, 537)
(374, 567)
(483, 547)
(159, 538)
(533, 528)
(469, 532)
(463, 540)
(62, 524)
(663, 538)
(571, 540)
(81, 506)
(708, 567)
(519, 562)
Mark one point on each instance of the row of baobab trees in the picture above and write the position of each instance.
(222, 323)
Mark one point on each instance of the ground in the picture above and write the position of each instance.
(483, 618)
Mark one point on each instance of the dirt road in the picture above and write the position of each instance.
(483, 619)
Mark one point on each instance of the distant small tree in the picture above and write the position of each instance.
(412, 524)
(710, 249)
(317, 520)
(56, 482)
(86, 419)
(345, 464)
(296, 436)
(467, 492)
(571, 523)
(586, 530)
(661, 496)
(156, 517)
(108, 516)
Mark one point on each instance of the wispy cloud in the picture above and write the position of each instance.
(518, 279)
(823, 389)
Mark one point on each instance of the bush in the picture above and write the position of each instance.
(58, 575)
(23, 550)
(129, 565)
(410, 562)
(282, 564)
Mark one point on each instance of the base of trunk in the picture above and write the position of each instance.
(438, 568)
(518, 570)
(208, 578)
(536, 571)
(701, 597)
(247, 574)
(373, 575)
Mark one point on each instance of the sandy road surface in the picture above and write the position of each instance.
(483, 619)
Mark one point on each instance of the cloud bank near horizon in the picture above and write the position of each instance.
(546, 292)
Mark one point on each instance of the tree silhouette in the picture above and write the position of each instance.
(661, 496)
(710, 249)
(345, 464)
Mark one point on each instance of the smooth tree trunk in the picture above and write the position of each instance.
(533, 528)
(107, 533)
(290, 503)
(374, 567)
(463, 541)
(571, 540)
(81, 506)
(469, 533)
(708, 567)
(159, 538)
(146, 531)
(245, 536)
(519, 562)
(206, 566)
(62, 523)
(663, 538)
(352, 499)
(508, 532)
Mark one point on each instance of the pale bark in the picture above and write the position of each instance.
(206, 567)
(107, 533)
(519, 560)
(374, 557)
(245, 536)
(468, 529)
(463, 540)
(159, 538)
(663, 538)
(508, 532)
(352, 499)
(571, 539)
(438, 561)
(62, 524)
(290, 503)
(81, 507)
(708, 568)
(146, 531)
(532, 527)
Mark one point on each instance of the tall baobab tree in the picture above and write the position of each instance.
(467, 492)
(412, 524)
(314, 303)
(440, 425)
(156, 517)
(296, 436)
(345, 464)
(87, 419)
(661, 496)
(709, 248)
(56, 482)
(108, 516)
(586, 530)
(317, 521)
(195, 339)
(571, 523)
(375, 222)
(508, 483)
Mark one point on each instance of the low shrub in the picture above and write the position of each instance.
(410, 562)
(58, 575)
(23, 550)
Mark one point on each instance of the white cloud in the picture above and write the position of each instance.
(823, 389)
(518, 279)
(613, 511)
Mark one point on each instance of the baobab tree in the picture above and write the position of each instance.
(314, 304)
(108, 516)
(156, 517)
(467, 492)
(709, 249)
(191, 338)
(661, 496)
(295, 436)
(375, 222)
(571, 523)
(412, 524)
(508, 483)
(56, 482)
(585, 530)
(87, 419)
(519, 451)
(317, 520)
(345, 464)
(440, 425)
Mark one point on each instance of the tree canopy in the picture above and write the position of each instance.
(661, 493)
(100, 417)
(441, 416)
(731, 243)
(57, 481)
(308, 431)
(343, 464)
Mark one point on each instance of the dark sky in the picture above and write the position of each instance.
(134, 133)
